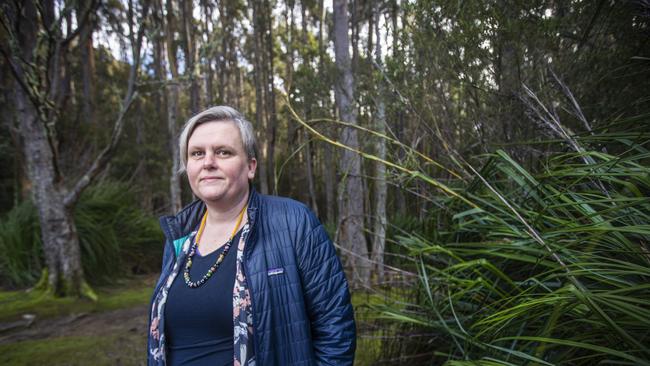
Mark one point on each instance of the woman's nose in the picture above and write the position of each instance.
(209, 161)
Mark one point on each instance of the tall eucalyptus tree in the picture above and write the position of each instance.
(351, 196)
(34, 45)
(173, 95)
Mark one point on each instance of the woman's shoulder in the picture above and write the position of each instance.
(287, 210)
(283, 205)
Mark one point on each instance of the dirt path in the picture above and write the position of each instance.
(127, 320)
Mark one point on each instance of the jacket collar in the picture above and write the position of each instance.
(187, 220)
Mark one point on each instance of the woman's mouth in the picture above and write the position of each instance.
(210, 179)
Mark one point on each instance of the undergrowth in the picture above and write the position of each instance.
(543, 267)
(116, 238)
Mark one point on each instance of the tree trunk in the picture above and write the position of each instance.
(271, 116)
(160, 73)
(58, 233)
(87, 65)
(222, 69)
(191, 55)
(260, 98)
(59, 237)
(226, 13)
(175, 178)
(381, 189)
(310, 173)
(207, 63)
(172, 91)
(329, 172)
(351, 209)
(309, 167)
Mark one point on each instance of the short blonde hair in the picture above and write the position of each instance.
(220, 113)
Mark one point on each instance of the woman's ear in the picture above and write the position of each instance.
(252, 166)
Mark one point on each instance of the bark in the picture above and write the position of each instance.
(309, 171)
(209, 83)
(222, 69)
(354, 34)
(289, 24)
(239, 90)
(329, 172)
(158, 57)
(260, 98)
(308, 152)
(351, 208)
(160, 72)
(172, 127)
(191, 55)
(227, 61)
(207, 64)
(270, 97)
(59, 237)
(87, 65)
(380, 187)
(172, 92)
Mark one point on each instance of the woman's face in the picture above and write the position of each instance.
(218, 168)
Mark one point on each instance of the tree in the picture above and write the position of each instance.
(173, 95)
(191, 54)
(265, 114)
(87, 61)
(351, 197)
(35, 55)
(380, 187)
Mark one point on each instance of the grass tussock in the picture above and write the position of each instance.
(546, 267)
(116, 238)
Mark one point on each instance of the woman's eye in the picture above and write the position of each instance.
(223, 153)
(196, 154)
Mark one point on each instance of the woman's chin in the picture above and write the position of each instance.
(211, 195)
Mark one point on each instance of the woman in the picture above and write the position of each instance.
(247, 279)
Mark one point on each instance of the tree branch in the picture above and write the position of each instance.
(92, 6)
(103, 158)
(107, 153)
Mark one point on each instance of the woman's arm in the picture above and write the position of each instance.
(327, 298)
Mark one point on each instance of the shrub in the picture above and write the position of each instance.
(115, 236)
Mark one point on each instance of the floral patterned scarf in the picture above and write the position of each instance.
(244, 352)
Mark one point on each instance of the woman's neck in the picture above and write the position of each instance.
(220, 214)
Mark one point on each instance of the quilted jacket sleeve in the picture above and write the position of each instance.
(327, 299)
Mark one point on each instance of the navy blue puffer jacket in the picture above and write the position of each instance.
(302, 314)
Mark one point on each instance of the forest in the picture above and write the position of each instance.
(482, 167)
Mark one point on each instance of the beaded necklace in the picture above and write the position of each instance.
(188, 264)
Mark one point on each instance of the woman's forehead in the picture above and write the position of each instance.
(219, 132)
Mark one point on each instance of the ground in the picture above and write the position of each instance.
(39, 330)
(36, 330)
